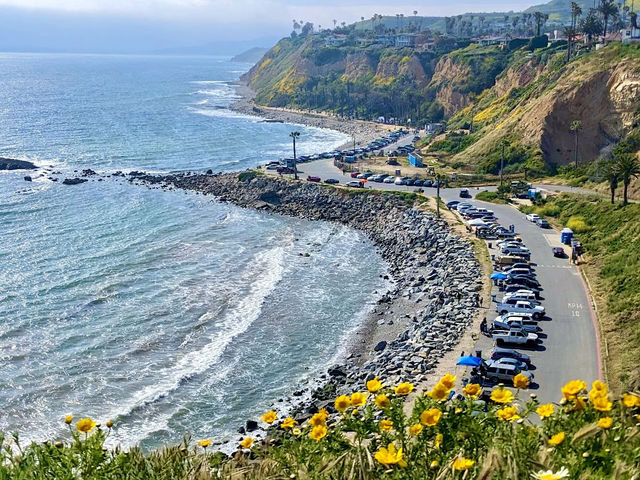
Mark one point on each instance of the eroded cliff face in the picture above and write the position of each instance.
(390, 68)
(604, 96)
(357, 65)
(448, 77)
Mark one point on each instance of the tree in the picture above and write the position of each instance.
(607, 9)
(576, 11)
(628, 168)
(608, 169)
(591, 26)
(294, 135)
(575, 128)
(540, 19)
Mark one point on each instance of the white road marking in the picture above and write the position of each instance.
(553, 239)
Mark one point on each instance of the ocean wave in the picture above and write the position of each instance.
(266, 270)
(209, 82)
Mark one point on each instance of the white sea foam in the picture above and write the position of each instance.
(266, 270)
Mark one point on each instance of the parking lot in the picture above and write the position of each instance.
(567, 347)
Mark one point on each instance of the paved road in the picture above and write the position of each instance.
(569, 347)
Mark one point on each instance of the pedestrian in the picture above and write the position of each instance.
(481, 299)
(483, 325)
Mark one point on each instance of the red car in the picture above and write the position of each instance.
(285, 170)
(559, 252)
(355, 174)
(311, 178)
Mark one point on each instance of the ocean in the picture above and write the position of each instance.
(167, 312)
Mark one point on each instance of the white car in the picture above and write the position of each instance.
(398, 181)
(521, 307)
(533, 217)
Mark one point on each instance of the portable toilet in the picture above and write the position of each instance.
(566, 235)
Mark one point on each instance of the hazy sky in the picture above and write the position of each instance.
(150, 25)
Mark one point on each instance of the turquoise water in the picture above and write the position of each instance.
(168, 312)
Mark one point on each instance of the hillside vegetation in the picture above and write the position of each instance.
(611, 237)
(590, 434)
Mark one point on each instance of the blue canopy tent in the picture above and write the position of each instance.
(469, 361)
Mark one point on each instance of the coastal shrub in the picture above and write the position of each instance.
(493, 197)
(577, 224)
(453, 143)
(444, 435)
(247, 176)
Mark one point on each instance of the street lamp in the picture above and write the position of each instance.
(294, 135)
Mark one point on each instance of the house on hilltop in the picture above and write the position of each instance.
(336, 40)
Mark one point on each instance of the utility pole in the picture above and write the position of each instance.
(502, 162)
(438, 180)
(294, 135)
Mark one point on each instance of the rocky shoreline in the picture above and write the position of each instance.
(435, 273)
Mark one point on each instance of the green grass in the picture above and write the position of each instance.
(611, 237)
(493, 197)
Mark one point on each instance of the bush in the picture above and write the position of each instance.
(538, 42)
(247, 176)
(510, 436)
(577, 224)
(493, 197)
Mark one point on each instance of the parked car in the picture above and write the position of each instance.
(526, 295)
(452, 204)
(389, 180)
(516, 286)
(520, 307)
(524, 282)
(398, 181)
(418, 183)
(332, 181)
(273, 166)
(508, 361)
(514, 337)
(533, 217)
(508, 322)
(559, 252)
(542, 223)
(355, 184)
(312, 178)
(284, 170)
(504, 372)
(498, 353)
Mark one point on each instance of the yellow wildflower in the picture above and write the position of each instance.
(508, 413)
(415, 429)
(573, 388)
(342, 403)
(288, 423)
(602, 404)
(579, 404)
(358, 399)
(502, 396)
(630, 400)
(109, 423)
(448, 381)
(382, 401)
(386, 425)
(318, 432)
(435, 464)
(319, 418)
(598, 389)
(68, 419)
(374, 385)
(296, 431)
(546, 410)
(430, 417)
(85, 425)
(472, 390)
(270, 417)
(247, 442)
(605, 422)
(404, 388)
(389, 456)
(439, 392)
(551, 475)
(557, 439)
(438, 441)
(461, 464)
(204, 443)
(521, 381)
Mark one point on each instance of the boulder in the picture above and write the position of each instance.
(10, 164)
(74, 181)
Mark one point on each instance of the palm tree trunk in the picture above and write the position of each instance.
(626, 186)
(613, 196)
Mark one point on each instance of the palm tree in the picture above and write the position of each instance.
(609, 171)
(628, 168)
(575, 127)
(539, 18)
(576, 11)
(294, 135)
(607, 9)
(591, 25)
(335, 22)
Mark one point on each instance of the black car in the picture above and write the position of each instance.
(332, 181)
(521, 280)
(452, 204)
(498, 353)
(418, 183)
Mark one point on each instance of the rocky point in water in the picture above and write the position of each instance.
(10, 164)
